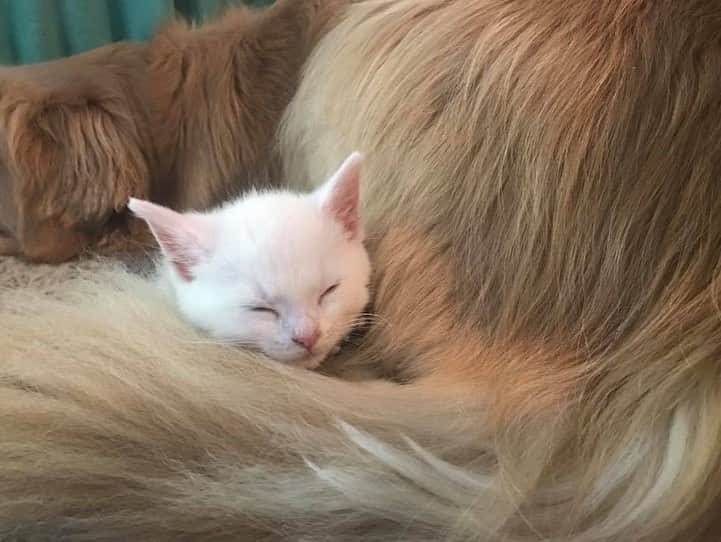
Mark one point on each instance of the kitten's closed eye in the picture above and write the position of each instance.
(264, 309)
(328, 291)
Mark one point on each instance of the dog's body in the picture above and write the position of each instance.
(542, 206)
(75, 143)
(187, 119)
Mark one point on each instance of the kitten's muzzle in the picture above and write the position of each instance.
(307, 340)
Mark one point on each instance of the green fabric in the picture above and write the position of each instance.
(38, 30)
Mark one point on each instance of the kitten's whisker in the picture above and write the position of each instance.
(346, 327)
(367, 319)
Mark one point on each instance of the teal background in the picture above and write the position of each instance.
(38, 30)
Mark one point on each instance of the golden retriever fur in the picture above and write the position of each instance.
(543, 203)
(187, 119)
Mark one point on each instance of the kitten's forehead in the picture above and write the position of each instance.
(286, 226)
(280, 245)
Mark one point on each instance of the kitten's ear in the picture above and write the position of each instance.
(186, 239)
(340, 196)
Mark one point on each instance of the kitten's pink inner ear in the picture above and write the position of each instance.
(340, 196)
(184, 238)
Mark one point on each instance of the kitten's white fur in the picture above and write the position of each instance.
(260, 271)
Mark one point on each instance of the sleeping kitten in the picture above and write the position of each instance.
(281, 272)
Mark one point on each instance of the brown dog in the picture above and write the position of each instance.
(187, 119)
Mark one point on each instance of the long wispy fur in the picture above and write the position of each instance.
(543, 201)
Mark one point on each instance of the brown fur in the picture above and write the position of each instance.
(75, 147)
(187, 120)
(543, 198)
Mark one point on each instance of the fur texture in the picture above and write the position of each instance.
(545, 224)
(186, 120)
(75, 143)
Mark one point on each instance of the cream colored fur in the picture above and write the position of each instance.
(143, 397)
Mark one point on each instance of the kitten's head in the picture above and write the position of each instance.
(281, 272)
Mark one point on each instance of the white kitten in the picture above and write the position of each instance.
(281, 272)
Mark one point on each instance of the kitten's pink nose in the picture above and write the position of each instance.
(307, 340)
